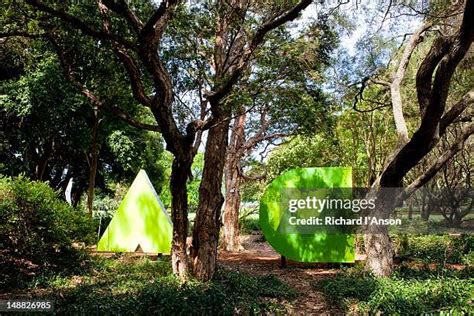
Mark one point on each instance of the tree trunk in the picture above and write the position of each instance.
(410, 209)
(93, 164)
(208, 222)
(180, 172)
(379, 251)
(231, 240)
(43, 160)
(423, 207)
(378, 245)
(233, 180)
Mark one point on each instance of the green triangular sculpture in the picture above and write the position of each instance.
(141, 221)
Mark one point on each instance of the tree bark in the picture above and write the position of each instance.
(180, 172)
(377, 241)
(233, 179)
(379, 251)
(397, 78)
(208, 222)
(231, 241)
(93, 163)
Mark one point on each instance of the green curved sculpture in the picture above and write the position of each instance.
(141, 221)
(314, 247)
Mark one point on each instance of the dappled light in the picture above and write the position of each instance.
(316, 247)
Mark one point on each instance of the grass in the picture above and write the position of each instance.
(148, 287)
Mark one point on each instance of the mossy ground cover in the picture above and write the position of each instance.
(143, 286)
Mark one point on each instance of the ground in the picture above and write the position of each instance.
(258, 257)
(430, 278)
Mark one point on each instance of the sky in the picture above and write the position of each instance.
(368, 17)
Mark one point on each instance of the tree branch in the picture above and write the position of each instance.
(222, 90)
(129, 63)
(79, 24)
(121, 7)
(397, 77)
(68, 73)
(155, 26)
(425, 71)
(456, 110)
(427, 135)
(130, 120)
(438, 163)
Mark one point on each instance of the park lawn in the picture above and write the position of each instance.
(142, 286)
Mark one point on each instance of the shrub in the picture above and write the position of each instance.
(434, 248)
(351, 283)
(37, 230)
(408, 292)
(248, 225)
(417, 297)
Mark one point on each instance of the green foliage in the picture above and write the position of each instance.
(43, 141)
(134, 150)
(192, 185)
(248, 225)
(302, 152)
(439, 249)
(357, 291)
(33, 130)
(145, 286)
(357, 140)
(468, 259)
(37, 230)
(351, 283)
(364, 141)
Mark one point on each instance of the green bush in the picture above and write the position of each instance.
(416, 272)
(407, 292)
(248, 225)
(351, 283)
(37, 230)
(468, 259)
(439, 249)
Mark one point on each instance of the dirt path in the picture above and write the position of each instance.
(259, 258)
